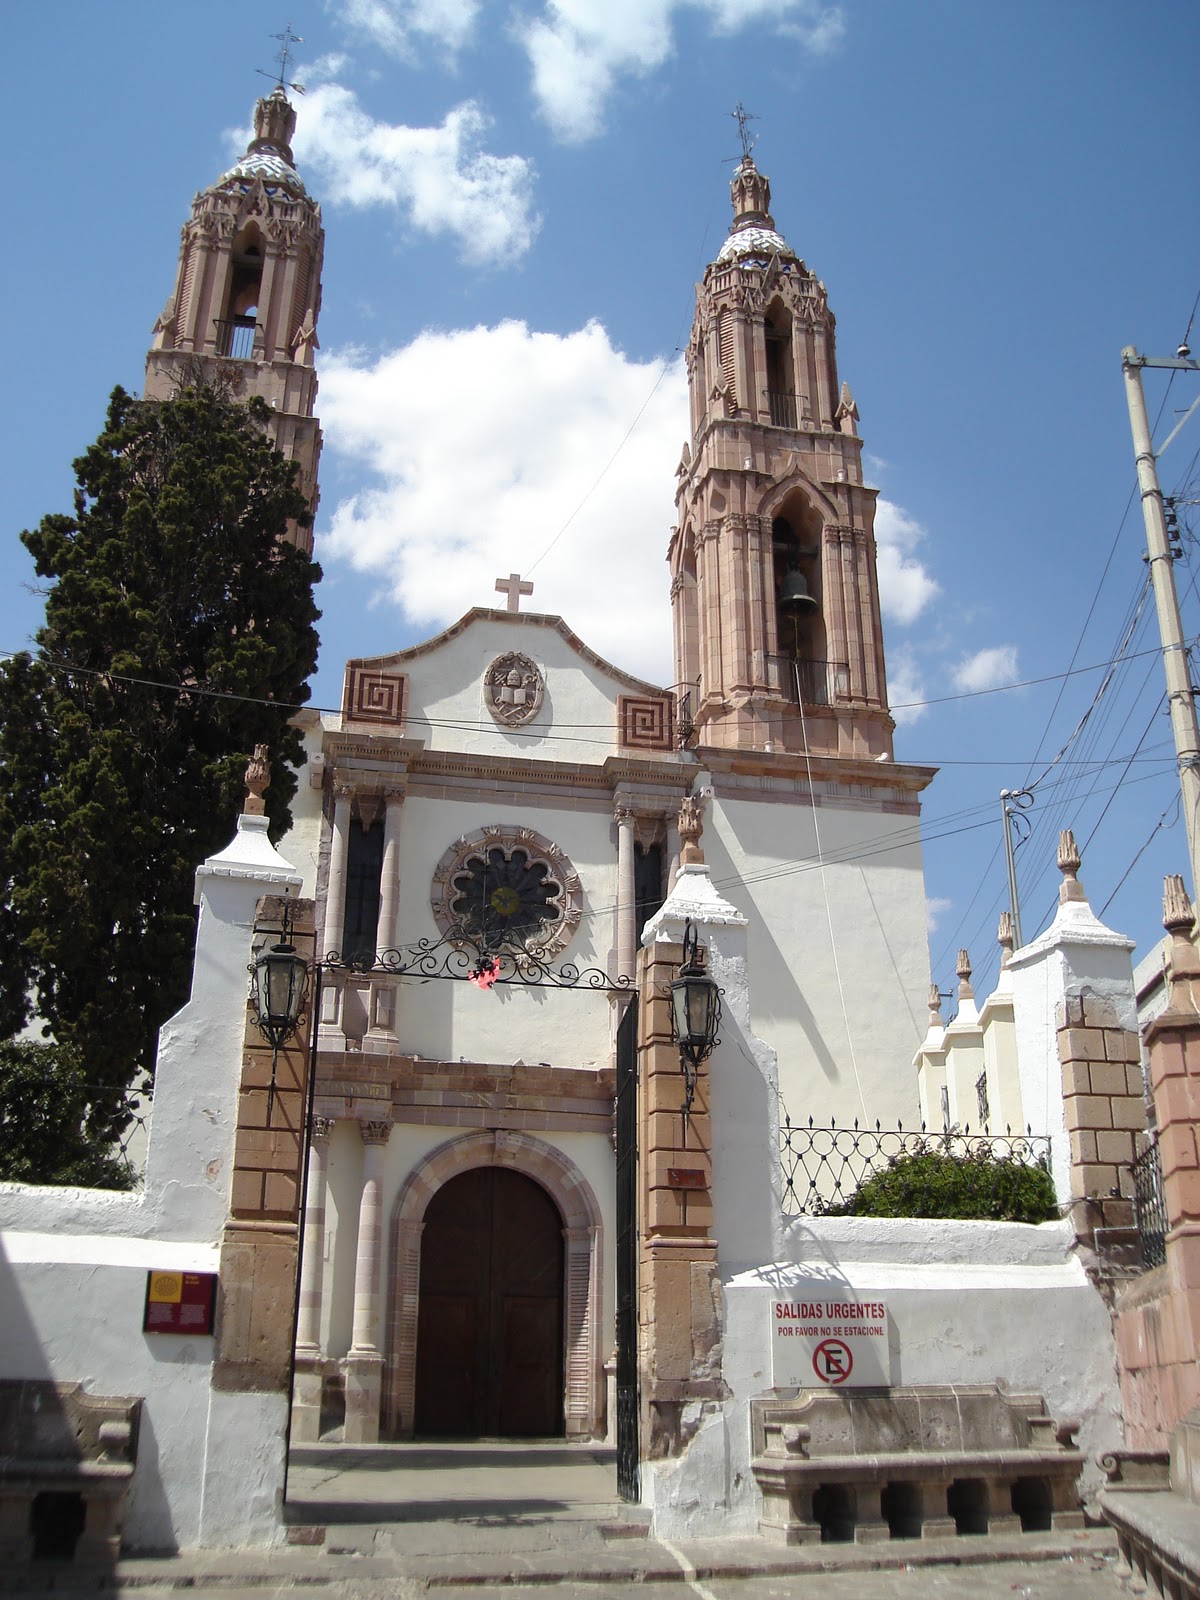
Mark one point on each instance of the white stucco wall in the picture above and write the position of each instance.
(968, 1302)
(73, 1262)
(839, 954)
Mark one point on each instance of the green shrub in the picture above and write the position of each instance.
(934, 1183)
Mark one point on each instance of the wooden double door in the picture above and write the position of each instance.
(490, 1322)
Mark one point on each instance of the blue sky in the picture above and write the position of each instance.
(518, 198)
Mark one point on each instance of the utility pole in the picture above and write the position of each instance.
(1012, 804)
(1180, 694)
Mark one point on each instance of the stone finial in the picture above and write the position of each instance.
(1179, 921)
(846, 415)
(258, 781)
(1004, 938)
(935, 1006)
(691, 825)
(963, 967)
(750, 192)
(1068, 864)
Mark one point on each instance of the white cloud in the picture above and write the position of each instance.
(905, 586)
(906, 688)
(936, 906)
(991, 668)
(484, 441)
(440, 177)
(579, 48)
(398, 26)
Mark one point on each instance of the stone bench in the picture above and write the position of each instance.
(918, 1462)
(66, 1461)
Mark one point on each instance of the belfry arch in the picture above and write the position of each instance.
(583, 1393)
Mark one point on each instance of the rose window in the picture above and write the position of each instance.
(505, 896)
(502, 885)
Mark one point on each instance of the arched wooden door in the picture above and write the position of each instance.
(490, 1318)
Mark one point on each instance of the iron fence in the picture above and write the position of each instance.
(823, 1165)
(1149, 1208)
(804, 681)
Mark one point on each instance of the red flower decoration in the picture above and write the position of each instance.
(485, 974)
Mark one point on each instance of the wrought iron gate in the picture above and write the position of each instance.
(628, 1486)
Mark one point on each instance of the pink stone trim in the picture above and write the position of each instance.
(583, 1397)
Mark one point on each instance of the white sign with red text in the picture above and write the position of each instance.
(824, 1341)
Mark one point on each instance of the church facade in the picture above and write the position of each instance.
(503, 787)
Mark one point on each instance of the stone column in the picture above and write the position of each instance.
(386, 932)
(626, 892)
(335, 895)
(335, 900)
(310, 1367)
(385, 991)
(363, 1365)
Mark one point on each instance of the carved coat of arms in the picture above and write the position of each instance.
(513, 689)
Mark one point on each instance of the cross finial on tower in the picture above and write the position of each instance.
(514, 588)
(286, 40)
(741, 116)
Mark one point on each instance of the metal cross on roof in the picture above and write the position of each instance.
(741, 116)
(286, 39)
(514, 588)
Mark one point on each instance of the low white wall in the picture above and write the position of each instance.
(968, 1302)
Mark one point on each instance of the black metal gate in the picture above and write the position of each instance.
(628, 1486)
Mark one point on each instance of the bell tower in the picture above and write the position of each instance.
(774, 594)
(248, 292)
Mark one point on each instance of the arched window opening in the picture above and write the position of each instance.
(236, 329)
(781, 378)
(799, 625)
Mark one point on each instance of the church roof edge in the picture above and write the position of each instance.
(520, 619)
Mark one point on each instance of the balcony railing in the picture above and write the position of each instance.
(235, 337)
(807, 681)
(784, 407)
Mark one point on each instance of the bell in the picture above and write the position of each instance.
(794, 598)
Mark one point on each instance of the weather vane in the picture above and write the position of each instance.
(741, 116)
(286, 40)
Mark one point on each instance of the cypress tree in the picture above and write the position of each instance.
(179, 633)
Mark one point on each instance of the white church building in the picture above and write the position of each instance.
(503, 776)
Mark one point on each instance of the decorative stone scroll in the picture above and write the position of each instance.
(514, 688)
(645, 723)
(373, 695)
(521, 857)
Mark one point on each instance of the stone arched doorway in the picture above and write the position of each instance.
(582, 1377)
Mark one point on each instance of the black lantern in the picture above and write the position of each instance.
(695, 1014)
(279, 984)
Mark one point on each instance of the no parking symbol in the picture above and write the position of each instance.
(832, 1361)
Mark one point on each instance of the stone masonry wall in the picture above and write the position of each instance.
(1104, 1111)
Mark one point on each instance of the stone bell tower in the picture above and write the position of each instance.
(778, 639)
(248, 292)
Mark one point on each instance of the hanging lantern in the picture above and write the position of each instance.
(695, 1014)
(279, 984)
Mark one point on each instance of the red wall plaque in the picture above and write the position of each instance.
(686, 1178)
(180, 1302)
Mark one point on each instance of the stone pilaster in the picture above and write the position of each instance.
(309, 1376)
(626, 891)
(260, 1246)
(1158, 1315)
(363, 1365)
